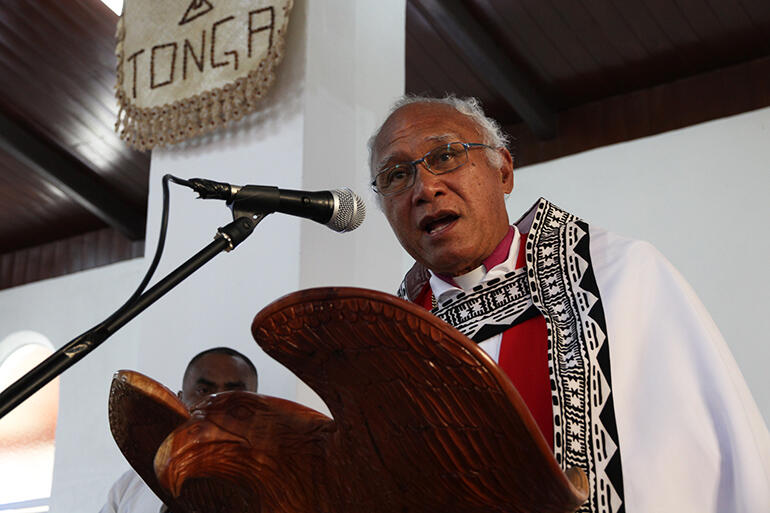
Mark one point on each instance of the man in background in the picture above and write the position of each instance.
(622, 368)
(215, 370)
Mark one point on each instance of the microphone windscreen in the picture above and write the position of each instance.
(349, 211)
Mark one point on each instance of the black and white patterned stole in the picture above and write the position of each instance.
(563, 286)
(489, 308)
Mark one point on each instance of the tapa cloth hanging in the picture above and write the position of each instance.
(188, 67)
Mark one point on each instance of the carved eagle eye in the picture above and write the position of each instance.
(241, 412)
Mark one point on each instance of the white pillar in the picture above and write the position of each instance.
(355, 69)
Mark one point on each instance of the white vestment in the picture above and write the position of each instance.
(129, 494)
(648, 400)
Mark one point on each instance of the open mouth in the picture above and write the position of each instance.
(433, 226)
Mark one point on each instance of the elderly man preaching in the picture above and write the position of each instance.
(621, 366)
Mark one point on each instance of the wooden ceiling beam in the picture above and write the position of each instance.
(459, 29)
(71, 176)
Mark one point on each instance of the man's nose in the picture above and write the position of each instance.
(427, 185)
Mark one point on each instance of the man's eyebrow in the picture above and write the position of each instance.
(204, 381)
(233, 384)
(388, 159)
(442, 138)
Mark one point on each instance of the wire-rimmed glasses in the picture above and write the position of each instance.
(439, 160)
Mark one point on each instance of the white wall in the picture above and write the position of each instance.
(60, 309)
(700, 194)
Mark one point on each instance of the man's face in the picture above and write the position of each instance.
(214, 373)
(451, 222)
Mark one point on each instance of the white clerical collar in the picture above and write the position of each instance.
(443, 290)
(470, 279)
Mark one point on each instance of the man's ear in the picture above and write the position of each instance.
(179, 395)
(506, 170)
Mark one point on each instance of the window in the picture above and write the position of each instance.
(28, 432)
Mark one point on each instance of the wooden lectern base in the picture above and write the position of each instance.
(423, 421)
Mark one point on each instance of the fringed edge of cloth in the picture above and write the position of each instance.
(150, 127)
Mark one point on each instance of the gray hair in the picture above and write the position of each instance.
(491, 132)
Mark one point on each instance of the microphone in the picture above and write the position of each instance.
(340, 209)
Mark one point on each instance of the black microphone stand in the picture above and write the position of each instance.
(227, 238)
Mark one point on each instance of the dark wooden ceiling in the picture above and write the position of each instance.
(66, 179)
(562, 76)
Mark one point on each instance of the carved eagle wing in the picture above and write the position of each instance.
(426, 421)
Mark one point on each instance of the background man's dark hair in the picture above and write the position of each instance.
(220, 350)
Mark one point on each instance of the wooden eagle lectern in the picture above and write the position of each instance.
(423, 421)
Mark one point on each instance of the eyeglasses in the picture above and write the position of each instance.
(439, 160)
